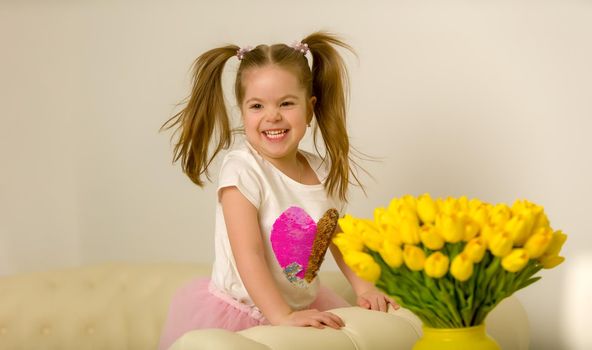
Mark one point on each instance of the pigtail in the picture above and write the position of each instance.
(204, 113)
(330, 85)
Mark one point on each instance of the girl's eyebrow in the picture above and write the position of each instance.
(289, 96)
(253, 99)
(256, 99)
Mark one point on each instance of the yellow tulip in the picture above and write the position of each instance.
(472, 228)
(451, 227)
(430, 237)
(414, 257)
(481, 216)
(370, 234)
(436, 265)
(410, 202)
(426, 209)
(386, 225)
(463, 203)
(384, 217)
(516, 260)
(448, 206)
(499, 214)
(538, 243)
(395, 206)
(461, 267)
(409, 231)
(347, 224)
(348, 243)
(475, 249)
(520, 227)
(556, 244)
(500, 244)
(522, 206)
(391, 253)
(551, 261)
(550, 257)
(542, 221)
(539, 218)
(475, 204)
(487, 232)
(363, 265)
(408, 214)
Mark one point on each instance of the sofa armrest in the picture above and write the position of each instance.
(363, 330)
(216, 339)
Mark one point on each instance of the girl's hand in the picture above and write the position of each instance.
(373, 299)
(312, 318)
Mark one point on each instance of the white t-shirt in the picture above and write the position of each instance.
(272, 193)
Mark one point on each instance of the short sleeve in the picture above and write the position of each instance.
(238, 172)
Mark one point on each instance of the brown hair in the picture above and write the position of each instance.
(205, 110)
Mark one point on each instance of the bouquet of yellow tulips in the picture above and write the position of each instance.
(450, 261)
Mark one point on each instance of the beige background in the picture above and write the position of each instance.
(490, 99)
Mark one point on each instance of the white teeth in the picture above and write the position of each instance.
(275, 133)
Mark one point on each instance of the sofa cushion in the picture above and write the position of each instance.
(108, 306)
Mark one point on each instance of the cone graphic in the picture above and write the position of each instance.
(325, 231)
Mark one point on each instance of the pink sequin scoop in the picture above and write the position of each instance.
(292, 237)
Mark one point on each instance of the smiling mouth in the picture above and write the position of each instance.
(275, 134)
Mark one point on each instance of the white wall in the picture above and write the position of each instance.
(487, 99)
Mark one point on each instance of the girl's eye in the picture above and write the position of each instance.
(256, 106)
(287, 103)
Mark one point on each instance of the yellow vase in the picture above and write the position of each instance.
(469, 338)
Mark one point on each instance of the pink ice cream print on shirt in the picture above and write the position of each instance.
(292, 238)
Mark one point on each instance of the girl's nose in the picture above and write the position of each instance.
(274, 115)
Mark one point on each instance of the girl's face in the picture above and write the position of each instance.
(275, 112)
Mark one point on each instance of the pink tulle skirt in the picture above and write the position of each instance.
(199, 305)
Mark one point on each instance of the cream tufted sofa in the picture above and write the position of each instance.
(122, 306)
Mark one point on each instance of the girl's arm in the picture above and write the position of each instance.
(248, 250)
(368, 296)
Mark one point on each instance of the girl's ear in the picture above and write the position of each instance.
(311, 103)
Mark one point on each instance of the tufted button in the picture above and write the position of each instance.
(46, 330)
(90, 330)
(3, 330)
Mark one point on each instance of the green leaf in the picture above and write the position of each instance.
(528, 282)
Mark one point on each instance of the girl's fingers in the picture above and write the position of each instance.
(376, 304)
(382, 304)
(337, 321)
(394, 304)
(330, 323)
(340, 321)
(316, 324)
(332, 320)
(317, 319)
(364, 303)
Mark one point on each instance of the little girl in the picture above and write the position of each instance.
(270, 193)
